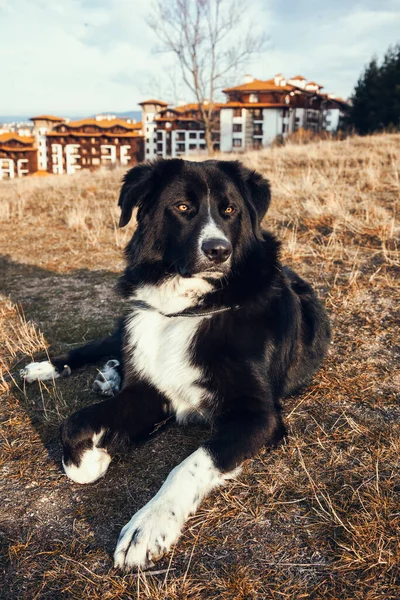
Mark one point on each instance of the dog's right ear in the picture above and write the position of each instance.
(135, 188)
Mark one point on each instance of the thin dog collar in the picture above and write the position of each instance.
(188, 313)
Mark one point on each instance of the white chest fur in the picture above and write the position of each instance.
(161, 348)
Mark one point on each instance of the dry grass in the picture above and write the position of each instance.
(317, 518)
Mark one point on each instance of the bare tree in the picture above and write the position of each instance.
(207, 40)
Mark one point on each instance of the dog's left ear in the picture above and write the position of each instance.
(254, 187)
(259, 191)
(135, 188)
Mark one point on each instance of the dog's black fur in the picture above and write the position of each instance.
(266, 347)
(256, 355)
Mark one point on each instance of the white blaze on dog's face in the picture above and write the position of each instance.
(193, 218)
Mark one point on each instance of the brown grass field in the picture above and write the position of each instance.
(319, 517)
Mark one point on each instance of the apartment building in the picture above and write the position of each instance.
(18, 155)
(255, 114)
(58, 145)
(93, 142)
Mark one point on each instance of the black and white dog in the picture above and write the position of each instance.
(217, 329)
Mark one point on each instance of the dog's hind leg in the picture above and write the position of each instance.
(62, 366)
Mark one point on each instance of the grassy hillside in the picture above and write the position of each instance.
(318, 517)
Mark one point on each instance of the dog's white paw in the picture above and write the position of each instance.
(42, 371)
(108, 380)
(148, 536)
(93, 463)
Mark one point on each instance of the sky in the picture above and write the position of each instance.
(77, 57)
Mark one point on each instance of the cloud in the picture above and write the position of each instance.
(85, 56)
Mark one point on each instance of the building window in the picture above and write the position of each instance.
(237, 127)
(93, 140)
(159, 135)
(180, 136)
(284, 128)
(159, 146)
(237, 112)
(192, 135)
(237, 142)
(202, 134)
(93, 150)
(95, 161)
(116, 141)
(257, 114)
(253, 98)
(192, 146)
(147, 150)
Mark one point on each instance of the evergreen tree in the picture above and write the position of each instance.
(376, 98)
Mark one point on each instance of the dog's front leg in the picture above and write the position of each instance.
(87, 434)
(157, 526)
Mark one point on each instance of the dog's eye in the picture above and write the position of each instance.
(229, 210)
(182, 207)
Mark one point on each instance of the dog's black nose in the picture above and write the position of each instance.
(217, 250)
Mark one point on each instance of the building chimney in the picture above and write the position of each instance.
(279, 79)
(248, 78)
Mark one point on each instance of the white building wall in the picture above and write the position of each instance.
(163, 152)
(124, 155)
(71, 158)
(41, 140)
(57, 159)
(239, 135)
(22, 164)
(226, 120)
(150, 141)
(248, 128)
(108, 154)
(331, 119)
(195, 138)
(6, 168)
(299, 114)
(272, 125)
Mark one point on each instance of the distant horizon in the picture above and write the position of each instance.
(24, 118)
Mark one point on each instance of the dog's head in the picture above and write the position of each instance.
(193, 218)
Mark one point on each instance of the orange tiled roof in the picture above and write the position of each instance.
(313, 83)
(298, 77)
(47, 118)
(257, 85)
(180, 110)
(18, 149)
(159, 102)
(103, 123)
(253, 105)
(25, 139)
